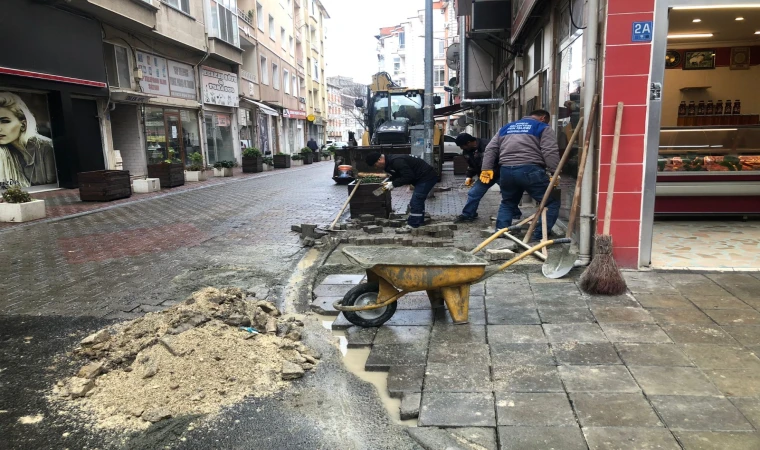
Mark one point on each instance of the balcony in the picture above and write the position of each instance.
(314, 47)
(242, 15)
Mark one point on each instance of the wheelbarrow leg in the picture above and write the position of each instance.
(436, 298)
(457, 299)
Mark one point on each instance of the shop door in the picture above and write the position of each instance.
(89, 144)
(174, 135)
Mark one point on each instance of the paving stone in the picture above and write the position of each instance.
(712, 440)
(721, 357)
(736, 382)
(512, 378)
(564, 314)
(457, 378)
(749, 407)
(480, 438)
(343, 279)
(405, 379)
(585, 354)
(680, 315)
(668, 355)
(718, 302)
(698, 334)
(541, 438)
(514, 301)
(642, 333)
(360, 336)
(477, 301)
(745, 334)
(457, 410)
(647, 282)
(519, 334)
(513, 316)
(613, 301)
(410, 406)
(414, 302)
(402, 335)
(672, 381)
(610, 314)
(478, 289)
(574, 332)
(460, 354)
(663, 301)
(734, 316)
(411, 317)
(459, 334)
(324, 305)
(700, 413)
(551, 289)
(332, 290)
(614, 410)
(522, 354)
(697, 284)
(341, 323)
(382, 357)
(739, 284)
(597, 379)
(536, 409)
(475, 317)
(626, 438)
(569, 300)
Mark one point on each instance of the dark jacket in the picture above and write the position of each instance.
(406, 169)
(475, 159)
(312, 144)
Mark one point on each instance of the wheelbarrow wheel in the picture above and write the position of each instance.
(366, 294)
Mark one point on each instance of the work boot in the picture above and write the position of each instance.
(464, 219)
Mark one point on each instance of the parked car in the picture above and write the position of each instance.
(340, 144)
(450, 148)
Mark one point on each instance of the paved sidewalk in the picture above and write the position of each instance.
(670, 365)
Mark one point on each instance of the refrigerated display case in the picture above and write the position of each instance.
(708, 170)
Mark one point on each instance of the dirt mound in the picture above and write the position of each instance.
(210, 351)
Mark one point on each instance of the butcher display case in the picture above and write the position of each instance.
(708, 170)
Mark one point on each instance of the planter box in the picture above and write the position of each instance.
(267, 167)
(308, 158)
(22, 212)
(104, 185)
(171, 175)
(365, 202)
(196, 175)
(317, 157)
(146, 186)
(253, 164)
(223, 172)
(460, 165)
(281, 161)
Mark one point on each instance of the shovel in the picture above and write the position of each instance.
(379, 191)
(340, 213)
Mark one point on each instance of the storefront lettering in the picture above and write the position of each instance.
(219, 88)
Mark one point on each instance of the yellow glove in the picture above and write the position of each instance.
(486, 176)
(468, 182)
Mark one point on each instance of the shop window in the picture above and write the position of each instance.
(275, 76)
(260, 16)
(182, 5)
(219, 139)
(286, 81)
(117, 65)
(224, 21)
(172, 130)
(439, 75)
(264, 72)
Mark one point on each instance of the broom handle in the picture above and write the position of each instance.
(613, 168)
(582, 168)
(340, 213)
(553, 180)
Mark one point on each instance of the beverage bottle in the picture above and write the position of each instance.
(727, 110)
(692, 110)
(701, 108)
(682, 109)
(719, 108)
(737, 107)
(710, 109)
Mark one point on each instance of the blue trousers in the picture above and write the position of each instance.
(531, 179)
(417, 203)
(476, 193)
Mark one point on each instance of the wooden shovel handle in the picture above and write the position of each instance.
(613, 168)
(340, 213)
(582, 168)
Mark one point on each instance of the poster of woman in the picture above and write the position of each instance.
(26, 150)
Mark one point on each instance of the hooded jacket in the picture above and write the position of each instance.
(406, 169)
(525, 142)
(475, 159)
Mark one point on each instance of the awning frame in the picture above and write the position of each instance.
(264, 108)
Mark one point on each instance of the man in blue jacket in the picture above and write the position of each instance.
(527, 152)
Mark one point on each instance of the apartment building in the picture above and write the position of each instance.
(310, 21)
(334, 111)
(343, 115)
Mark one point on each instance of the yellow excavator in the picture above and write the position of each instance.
(394, 125)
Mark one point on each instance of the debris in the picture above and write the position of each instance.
(373, 229)
(291, 371)
(168, 347)
(410, 406)
(95, 338)
(272, 325)
(156, 415)
(30, 420)
(296, 228)
(308, 242)
(499, 255)
(78, 387)
(90, 371)
(250, 330)
(269, 308)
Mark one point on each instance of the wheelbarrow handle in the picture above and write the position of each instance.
(563, 241)
(522, 255)
(500, 232)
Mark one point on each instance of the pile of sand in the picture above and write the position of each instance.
(193, 358)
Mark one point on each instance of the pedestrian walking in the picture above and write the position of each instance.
(312, 144)
(528, 154)
(405, 170)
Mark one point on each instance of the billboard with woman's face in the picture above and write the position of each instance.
(26, 148)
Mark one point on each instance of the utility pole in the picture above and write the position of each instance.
(428, 110)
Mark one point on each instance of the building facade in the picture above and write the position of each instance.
(344, 115)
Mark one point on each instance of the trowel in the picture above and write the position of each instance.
(379, 191)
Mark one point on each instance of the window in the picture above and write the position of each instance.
(538, 61)
(260, 16)
(282, 38)
(182, 5)
(290, 45)
(396, 65)
(313, 8)
(401, 40)
(271, 28)
(117, 65)
(224, 21)
(286, 81)
(441, 48)
(275, 76)
(295, 86)
(316, 70)
(264, 72)
(439, 75)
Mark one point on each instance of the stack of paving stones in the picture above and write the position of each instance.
(371, 232)
(672, 364)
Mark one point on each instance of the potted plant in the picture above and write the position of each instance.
(171, 171)
(223, 168)
(281, 161)
(297, 159)
(268, 163)
(307, 155)
(328, 152)
(252, 160)
(19, 206)
(196, 171)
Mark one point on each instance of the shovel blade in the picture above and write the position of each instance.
(379, 191)
(559, 263)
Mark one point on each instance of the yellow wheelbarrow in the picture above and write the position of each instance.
(446, 274)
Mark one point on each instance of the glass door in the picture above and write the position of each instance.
(174, 135)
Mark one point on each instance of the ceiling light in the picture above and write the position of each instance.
(740, 18)
(756, 5)
(757, 32)
(697, 20)
(691, 35)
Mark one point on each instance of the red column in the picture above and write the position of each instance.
(626, 79)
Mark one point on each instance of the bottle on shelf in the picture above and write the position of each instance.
(701, 108)
(692, 109)
(682, 109)
(727, 110)
(710, 108)
(719, 108)
(737, 108)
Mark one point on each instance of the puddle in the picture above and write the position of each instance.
(296, 280)
(354, 360)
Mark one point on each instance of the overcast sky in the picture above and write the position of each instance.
(351, 30)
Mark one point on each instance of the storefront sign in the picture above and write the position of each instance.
(219, 87)
(182, 80)
(223, 120)
(294, 114)
(155, 79)
(642, 32)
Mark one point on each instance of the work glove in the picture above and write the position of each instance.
(388, 185)
(486, 176)
(468, 182)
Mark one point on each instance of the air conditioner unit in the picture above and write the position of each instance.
(492, 15)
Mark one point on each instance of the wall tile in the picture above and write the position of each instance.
(633, 122)
(625, 233)
(631, 149)
(631, 90)
(620, 27)
(627, 178)
(629, 6)
(627, 60)
(625, 206)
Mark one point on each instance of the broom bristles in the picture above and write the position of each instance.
(602, 276)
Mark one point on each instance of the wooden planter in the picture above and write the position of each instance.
(365, 202)
(460, 165)
(317, 157)
(281, 161)
(253, 164)
(308, 158)
(105, 185)
(171, 175)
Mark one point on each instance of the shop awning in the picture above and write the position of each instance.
(449, 110)
(264, 108)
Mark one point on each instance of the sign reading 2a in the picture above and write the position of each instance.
(642, 32)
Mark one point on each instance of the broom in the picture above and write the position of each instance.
(602, 276)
